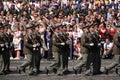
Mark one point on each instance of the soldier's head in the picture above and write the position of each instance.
(92, 28)
(85, 28)
(56, 29)
(29, 28)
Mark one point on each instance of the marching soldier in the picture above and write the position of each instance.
(94, 55)
(32, 51)
(84, 50)
(63, 69)
(2, 50)
(116, 51)
(36, 51)
(27, 50)
(32, 45)
(56, 48)
(6, 56)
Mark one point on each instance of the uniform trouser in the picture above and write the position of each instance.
(50, 55)
(65, 60)
(1, 63)
(27, 62)
(35, 65)
(63, 63)
(94, 58)
(83, 62)
(115, 63)
(6, 57)
(55, 64)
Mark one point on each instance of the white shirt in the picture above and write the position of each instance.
(108, 46)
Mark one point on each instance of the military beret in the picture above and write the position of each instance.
(93, 25)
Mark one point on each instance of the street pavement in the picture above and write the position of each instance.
(71, 76)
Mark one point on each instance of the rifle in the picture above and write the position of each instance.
(58, 36)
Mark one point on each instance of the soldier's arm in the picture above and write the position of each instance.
(83, 41)
(116, 41)
(26, 42)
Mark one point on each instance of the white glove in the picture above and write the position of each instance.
(62, 43)
(38, 44)
(91, 44)
(35, 45)
(11, 44)
(68, 42)
(99, 44)
(102, 42)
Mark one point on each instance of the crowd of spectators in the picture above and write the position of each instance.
(70, 14)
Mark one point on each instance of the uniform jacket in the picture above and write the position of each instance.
(84, 44)
(116, 45)
(28, 46)
(55, 44)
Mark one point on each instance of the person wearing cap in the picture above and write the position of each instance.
(64, 51)
(116, 51)
(94, 55)
(84, 50)
(28, 51)
(6, 55)
(37, 53)
(2, 51)
(56, 49)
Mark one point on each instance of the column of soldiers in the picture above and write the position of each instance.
(90, 50)
(90, 45)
